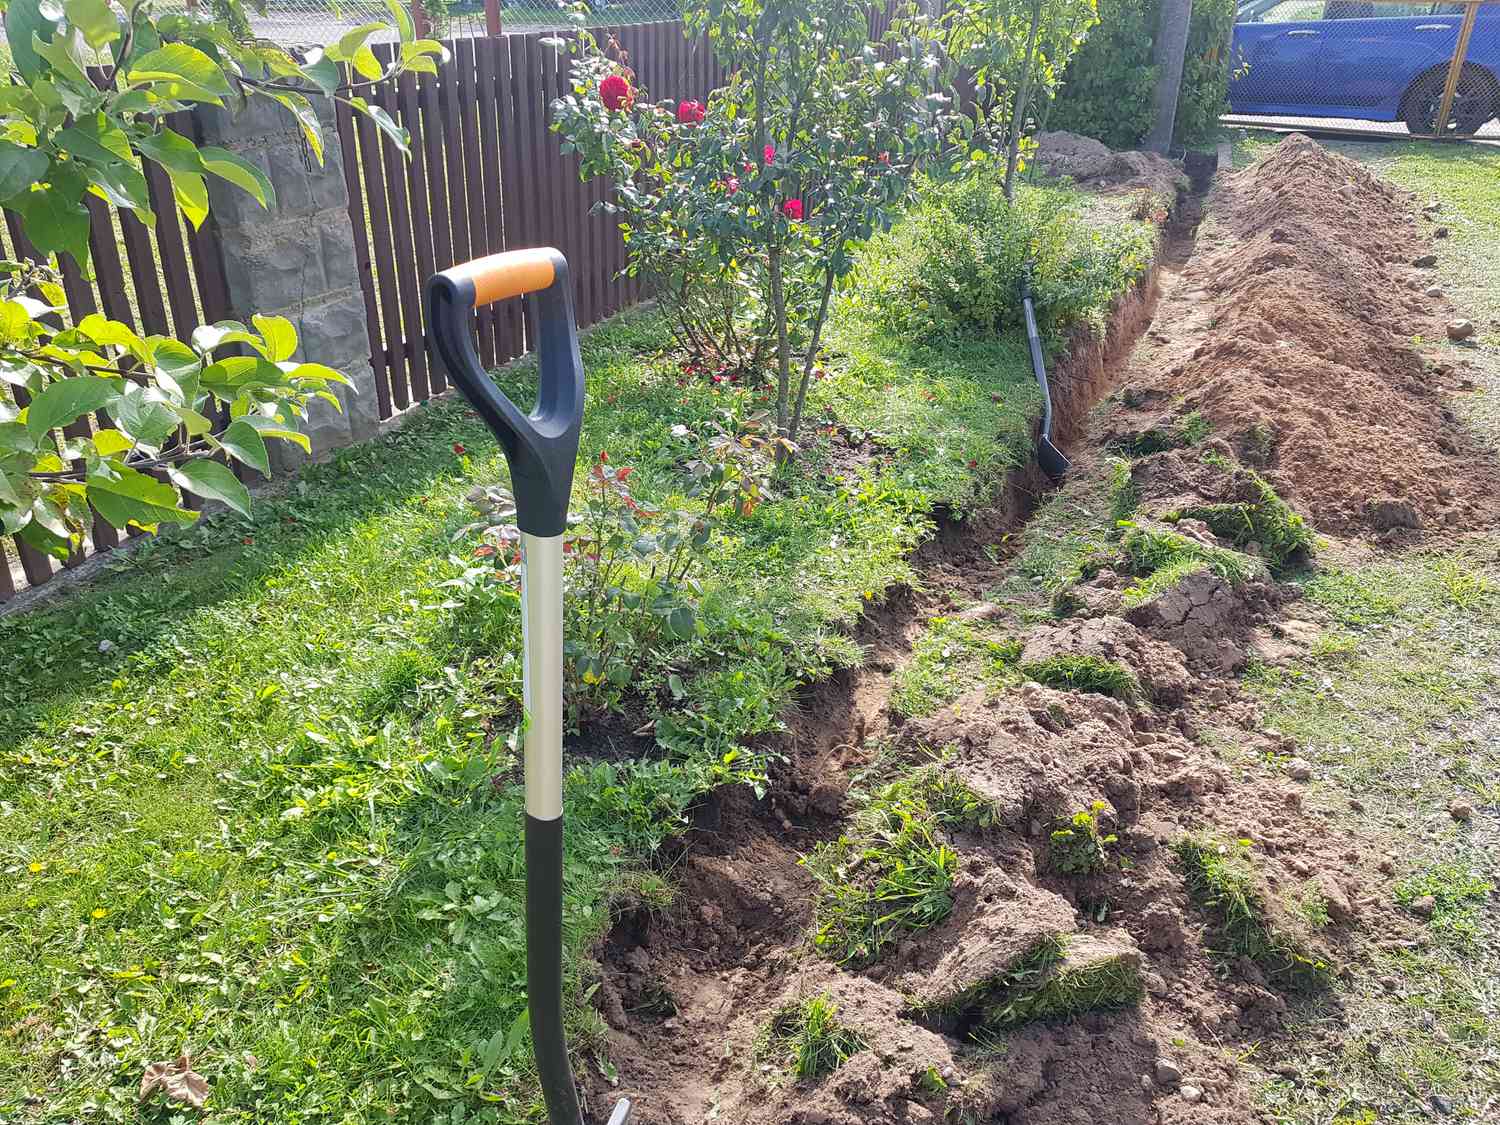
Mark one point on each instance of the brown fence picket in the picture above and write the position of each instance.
(503, 315)
(386, 286)
(421, 220)
(353, 178)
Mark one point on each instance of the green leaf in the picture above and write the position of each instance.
(55, 218)
(145, 414)
(191, 193)
(20, 168)
(171, 150)
(240, 172)
(317, 372)
(366, 65)
(213, 480)
(67, 400)
(123, 496)
(15, 321)
(271, 428)
(680, 622)
(243, 442)
(384, 122)
(109, 443)
(312, 128)
(280, 336)
(184, 72)
(23, 20)
(95, 19)
(111, 333)
(234, 375)
(353, 40)
(404, 26)
(104, 150)
(322, 71)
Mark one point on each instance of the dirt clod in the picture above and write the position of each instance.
(1460, 330)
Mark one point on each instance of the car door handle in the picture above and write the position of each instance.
(1433, 26)
(1302, 32)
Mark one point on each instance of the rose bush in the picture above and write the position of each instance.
(746, 253)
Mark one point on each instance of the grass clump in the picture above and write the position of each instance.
(1179, 433)
(808, 1040)
(1063, 978)
(1458, 898)
(1221, 878)
(954, 265)
(1268, 521)
(946, 658)
(1079, 845)
(1076, 671)
(1161, 559)
(893, 872)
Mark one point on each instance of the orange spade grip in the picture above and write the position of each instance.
(510, 274)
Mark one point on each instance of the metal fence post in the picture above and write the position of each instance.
(1171, 48)
(1455, 68)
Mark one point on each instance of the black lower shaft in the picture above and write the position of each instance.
(544, 981)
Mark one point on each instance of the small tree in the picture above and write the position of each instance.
(1014, 50)
(808, 149)
(166, 406)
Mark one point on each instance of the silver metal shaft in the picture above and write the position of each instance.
(542, 638)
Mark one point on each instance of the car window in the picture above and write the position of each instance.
(1282, 11)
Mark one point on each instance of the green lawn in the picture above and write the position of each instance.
(1398, 710)
(257, 802)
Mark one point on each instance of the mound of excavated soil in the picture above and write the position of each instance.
(1091, 164)
(1308, 309)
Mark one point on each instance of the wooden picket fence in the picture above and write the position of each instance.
(486, 174)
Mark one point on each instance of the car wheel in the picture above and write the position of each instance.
(1476, 99)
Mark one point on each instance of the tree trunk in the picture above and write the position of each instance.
(783, 346)
(1171, 47)
(1023, 97)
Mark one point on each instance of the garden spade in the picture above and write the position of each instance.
(1052, 460)
(541, 448)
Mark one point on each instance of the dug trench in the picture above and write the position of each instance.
(1056, 894)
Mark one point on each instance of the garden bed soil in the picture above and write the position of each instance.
(688, 992)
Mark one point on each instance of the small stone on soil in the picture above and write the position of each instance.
(1299, 769)
(1191, 1094)
(1461, 810)
(1460, 330)
(1168, 1073)
(1426, 261)
(1441, 232)
(1434, 291)
(1424, 906)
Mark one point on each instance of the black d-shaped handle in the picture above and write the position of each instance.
(542, 446)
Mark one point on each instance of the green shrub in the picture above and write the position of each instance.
(954, 265)
(1109, 88)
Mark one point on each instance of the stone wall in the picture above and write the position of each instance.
(297, 259)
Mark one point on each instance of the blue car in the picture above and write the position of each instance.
(1368, 61)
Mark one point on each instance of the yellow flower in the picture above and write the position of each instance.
(37, 868)
(98, 912)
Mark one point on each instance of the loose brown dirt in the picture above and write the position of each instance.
(1295, 323)
(1301, 336)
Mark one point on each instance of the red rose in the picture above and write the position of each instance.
(732, 184)
(614, 91)
(690, 113)
(458, 447)
(792, 209)
(885, 158)
(769, 152)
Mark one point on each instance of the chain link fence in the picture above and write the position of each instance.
(302, 23)
(1369, 67)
